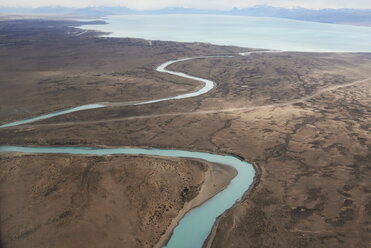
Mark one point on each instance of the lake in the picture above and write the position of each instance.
(253, 32)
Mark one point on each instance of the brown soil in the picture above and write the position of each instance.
(48, 59)
(312, 144)
(94, 201)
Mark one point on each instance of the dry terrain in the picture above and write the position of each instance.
(304, 118)
(94, 201)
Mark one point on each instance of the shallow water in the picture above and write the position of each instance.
(47, 116)
(244, 31)
(255, 32)
(196, 225)
(208, 85)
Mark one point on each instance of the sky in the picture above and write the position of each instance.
(199, 4)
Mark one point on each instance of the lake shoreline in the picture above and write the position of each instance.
(250, 32)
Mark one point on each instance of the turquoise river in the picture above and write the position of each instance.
(195, 226)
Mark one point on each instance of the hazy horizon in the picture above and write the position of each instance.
(195, 4)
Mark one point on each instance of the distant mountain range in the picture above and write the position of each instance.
(346, 16)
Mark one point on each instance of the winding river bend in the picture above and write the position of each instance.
(207, 86)
(196, 225)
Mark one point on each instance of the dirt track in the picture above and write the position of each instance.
(313, 146)
(306, 98)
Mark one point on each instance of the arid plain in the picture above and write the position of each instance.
(302, 118)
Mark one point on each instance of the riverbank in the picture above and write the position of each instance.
(83, 197)
(313, 154)
(258, 173)
(42, 78)
(216, 179)
(204, 215)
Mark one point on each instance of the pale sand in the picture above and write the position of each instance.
(216, 178)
